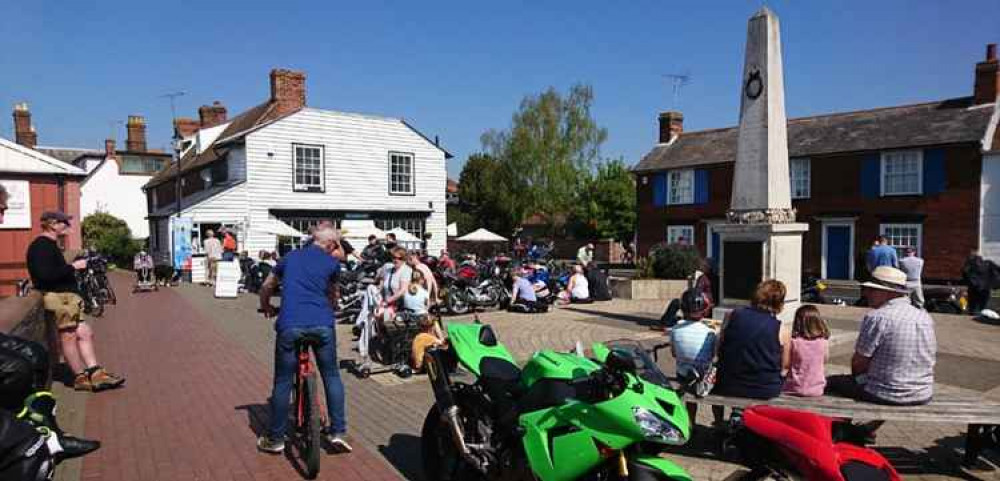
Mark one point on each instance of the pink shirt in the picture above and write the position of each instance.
(807, 372)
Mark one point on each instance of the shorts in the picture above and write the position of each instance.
(66, 308)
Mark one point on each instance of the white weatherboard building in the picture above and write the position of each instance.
(280, 167)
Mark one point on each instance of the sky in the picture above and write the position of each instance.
(455, 69)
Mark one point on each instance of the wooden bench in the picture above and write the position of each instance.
(982, 416)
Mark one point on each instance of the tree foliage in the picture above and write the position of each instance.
(110, 236)
(550, 147)
(606, 206)
(484, 198)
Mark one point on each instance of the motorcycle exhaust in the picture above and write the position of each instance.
(436, 363)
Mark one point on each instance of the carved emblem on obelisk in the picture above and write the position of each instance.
(754, 86)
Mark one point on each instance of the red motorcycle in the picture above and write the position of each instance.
(785, 444)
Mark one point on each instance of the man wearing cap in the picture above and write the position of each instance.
(585, 254)
(895, 353)
(56, 279)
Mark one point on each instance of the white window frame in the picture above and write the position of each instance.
(808, 176)
(675, 232)
(919, 155)
(413, 174)
(884, 228)
(296, 186)
(683, 175)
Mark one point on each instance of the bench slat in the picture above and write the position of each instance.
(946, 409)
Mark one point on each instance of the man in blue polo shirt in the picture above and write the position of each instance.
(308, 276)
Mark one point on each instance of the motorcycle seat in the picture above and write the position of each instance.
(501, 380)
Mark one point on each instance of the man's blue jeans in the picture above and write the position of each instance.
(285, 366)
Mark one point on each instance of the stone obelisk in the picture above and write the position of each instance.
(761, 239)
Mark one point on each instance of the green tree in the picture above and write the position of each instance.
(552, 144)
(484, 198)
(110, 236)
(606, 208)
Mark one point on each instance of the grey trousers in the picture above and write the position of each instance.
(916, 293)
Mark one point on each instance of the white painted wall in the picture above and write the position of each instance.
(989, 226)
(105, 190)
(356, 158)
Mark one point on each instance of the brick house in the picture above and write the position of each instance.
(913, 173)
(36, 183)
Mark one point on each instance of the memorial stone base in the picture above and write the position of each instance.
(754, 252)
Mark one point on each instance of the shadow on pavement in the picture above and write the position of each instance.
(942, 459)
(633, 318)
(403, 452)
(257, 417)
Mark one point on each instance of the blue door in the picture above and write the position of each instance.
(838, 251)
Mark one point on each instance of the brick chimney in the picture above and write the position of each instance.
(109, 148)
(24, 132)
(671, 125)
(987, 77)
(212, 115)
(186, 126)
(136, 141)
(288, 90)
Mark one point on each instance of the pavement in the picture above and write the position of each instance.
(199, 374)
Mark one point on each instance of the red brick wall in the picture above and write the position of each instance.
(14, 243)
(950, 219)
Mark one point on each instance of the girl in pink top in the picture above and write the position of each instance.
(806, 373)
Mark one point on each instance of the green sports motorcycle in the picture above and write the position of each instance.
(562, 417)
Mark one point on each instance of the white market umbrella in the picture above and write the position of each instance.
(279, 228)
(360, 229)
(453, 229)
(482, 235)
(402, 235)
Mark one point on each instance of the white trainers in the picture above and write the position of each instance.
(338, 444)
(268, 445)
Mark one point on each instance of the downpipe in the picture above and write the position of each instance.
(437, 371)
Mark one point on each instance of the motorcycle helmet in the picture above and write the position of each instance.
(989, 314)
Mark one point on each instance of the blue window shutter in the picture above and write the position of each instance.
(871, 176)
(934, 173)
(700, 186)
(659, 190)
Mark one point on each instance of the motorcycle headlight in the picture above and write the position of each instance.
(655, 428)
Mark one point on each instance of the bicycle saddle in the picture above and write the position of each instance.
(311, 340)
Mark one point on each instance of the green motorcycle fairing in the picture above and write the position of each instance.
(561, 442)
(466, 340)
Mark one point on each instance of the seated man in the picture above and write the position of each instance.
(143, 265)
(523, 298)
(896, 349)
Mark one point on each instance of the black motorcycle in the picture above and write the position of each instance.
(813, 290)
(945, 299)
(351, 287)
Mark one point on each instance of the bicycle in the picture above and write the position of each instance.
(309, 419)
(308, 422)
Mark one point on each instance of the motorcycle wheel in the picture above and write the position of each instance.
(441, 459)
(457, 304)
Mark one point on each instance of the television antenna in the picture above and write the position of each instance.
(677, 82)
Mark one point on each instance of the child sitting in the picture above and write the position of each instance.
(429, 336)
(416, 299)
(810, 335)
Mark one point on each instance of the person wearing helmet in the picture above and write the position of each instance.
(692, 341)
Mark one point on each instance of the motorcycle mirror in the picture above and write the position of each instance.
(618, 360)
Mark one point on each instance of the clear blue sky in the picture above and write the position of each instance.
(455, 69)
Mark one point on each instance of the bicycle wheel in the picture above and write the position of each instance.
(309, 430)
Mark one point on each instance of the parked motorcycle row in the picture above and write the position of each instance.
(475, 284)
